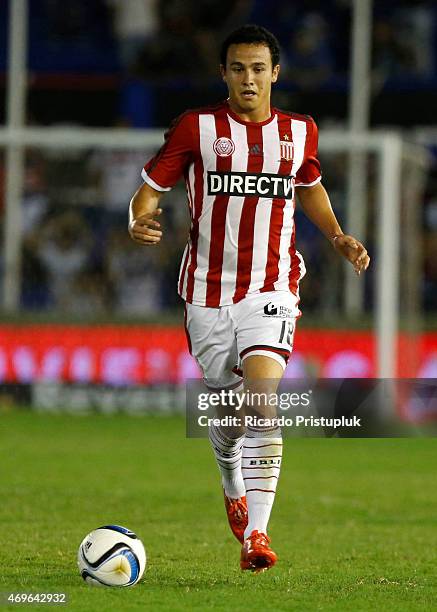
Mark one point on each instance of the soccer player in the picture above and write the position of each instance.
(243, 161)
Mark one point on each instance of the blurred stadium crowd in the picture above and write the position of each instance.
(139, 63)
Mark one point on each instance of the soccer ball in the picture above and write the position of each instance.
(111, 556)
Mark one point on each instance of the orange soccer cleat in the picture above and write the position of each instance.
(256, 554)
(236, 510)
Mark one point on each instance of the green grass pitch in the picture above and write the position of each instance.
(354, 524)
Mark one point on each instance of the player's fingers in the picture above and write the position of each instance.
(145, 226)
(358, 253)
(147, 231)
(362, 255)
(361, 263)
(365, 262)
(145, 239)
(146, 222)
(362, 259)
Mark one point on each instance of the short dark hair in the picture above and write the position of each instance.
(251, 34)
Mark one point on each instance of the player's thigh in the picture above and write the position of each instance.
(211, 335)
(259, 366)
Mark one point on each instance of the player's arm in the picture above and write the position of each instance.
(160, 174)
(143, 210)
(317, 207)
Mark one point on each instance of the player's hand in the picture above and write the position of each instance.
(145, 229)
(353, 251)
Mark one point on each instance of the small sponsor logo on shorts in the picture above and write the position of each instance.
(270, 309)
(281, 312)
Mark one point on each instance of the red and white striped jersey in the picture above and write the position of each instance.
(240, 178)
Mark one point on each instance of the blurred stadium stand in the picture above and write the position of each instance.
(109, 63)
(102, 61)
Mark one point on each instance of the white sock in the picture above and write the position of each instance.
(262, 455)
(228, 453)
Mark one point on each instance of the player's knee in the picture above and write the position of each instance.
(233, 431)
(271, 431)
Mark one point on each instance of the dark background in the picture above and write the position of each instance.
(84, 70)
(140, 63)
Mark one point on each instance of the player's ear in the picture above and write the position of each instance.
(223, 72)
(275, 73)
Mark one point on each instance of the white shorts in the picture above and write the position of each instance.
(221, 338)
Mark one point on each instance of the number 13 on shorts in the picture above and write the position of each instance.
(286, 335)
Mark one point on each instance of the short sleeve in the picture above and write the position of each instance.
(164, 170)
(309, 173)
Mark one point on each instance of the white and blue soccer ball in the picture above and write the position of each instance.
(111, 556)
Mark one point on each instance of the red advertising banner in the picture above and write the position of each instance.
(123, 355)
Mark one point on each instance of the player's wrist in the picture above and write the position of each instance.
(334, 237)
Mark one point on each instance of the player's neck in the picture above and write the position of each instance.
(258, 115)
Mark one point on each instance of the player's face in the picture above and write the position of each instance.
(249, 76)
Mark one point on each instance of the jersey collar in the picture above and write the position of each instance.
(238, 119)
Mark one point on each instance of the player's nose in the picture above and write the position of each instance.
(248, 78)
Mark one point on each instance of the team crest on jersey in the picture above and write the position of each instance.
(286, 149)
(223, 147)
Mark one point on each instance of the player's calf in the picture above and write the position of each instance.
(228, 453)
(261, 464)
